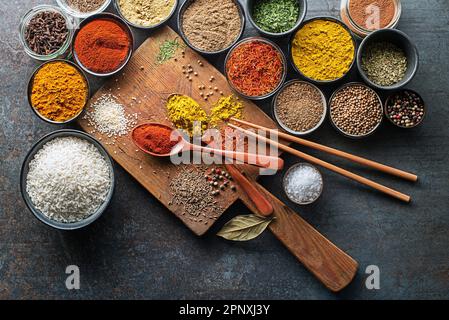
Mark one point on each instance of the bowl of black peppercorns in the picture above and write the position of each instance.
(405, 109)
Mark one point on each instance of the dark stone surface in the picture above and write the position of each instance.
(139, 250)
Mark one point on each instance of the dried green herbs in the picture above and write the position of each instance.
(384, 63)
(167, 50)
(276, 16)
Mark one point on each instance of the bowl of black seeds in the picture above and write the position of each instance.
(387, 59)
(46, 33)
(405, 109)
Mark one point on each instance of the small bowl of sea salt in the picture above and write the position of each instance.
(303, 183)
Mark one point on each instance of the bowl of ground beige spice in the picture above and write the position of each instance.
(146, 14)
(211, 26)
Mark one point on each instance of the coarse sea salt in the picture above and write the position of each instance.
(68, 179)
(303, 184)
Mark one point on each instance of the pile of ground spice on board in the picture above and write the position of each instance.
(85, 6)
(323, 50)
(300, 106)
(384, 63)
(59, 91)
(146, 13)
(46, 32)
(68, 179)
(102, 45)
(191, 190)
(211, 25)
(255, 68)
(276, 16)
(107, 116)
(184, 112)
(356, 110)
(224, 109)
(361, 12)
(155, 138)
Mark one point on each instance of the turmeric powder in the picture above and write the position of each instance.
(323, 50)
(183, 111)
(59, 91)
(224, 109)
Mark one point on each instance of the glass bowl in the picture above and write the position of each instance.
(24, 172)
(61, 53)
(155, 26)
(360, 31)
(285, 127)
(30, 87)
(284, 65)
(78, 14)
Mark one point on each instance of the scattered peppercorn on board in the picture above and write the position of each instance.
(143, 87)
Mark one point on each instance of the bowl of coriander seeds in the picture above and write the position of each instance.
(355, 110)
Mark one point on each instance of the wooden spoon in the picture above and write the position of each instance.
(263, 161)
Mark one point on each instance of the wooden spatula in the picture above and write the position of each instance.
(332, 266)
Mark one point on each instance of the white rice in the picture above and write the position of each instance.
(68, 179)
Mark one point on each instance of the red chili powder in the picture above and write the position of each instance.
(154, 138)
(102, 45)
(255, 68)
(362, 15)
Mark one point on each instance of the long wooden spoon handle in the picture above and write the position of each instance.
(391, 192)
(263, 206)
(263, 161)
(363, 161)
(331, 265)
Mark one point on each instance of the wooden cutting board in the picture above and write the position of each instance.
(143, 87)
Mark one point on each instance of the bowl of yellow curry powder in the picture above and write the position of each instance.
(58, 91)
(323, 50)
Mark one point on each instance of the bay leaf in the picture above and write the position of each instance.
(244, 228)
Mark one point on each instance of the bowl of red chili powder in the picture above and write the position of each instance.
(255, 68)
(103, 44)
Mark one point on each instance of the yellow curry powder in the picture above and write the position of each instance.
(224, 109)
(183, 111)
(59, 91)
(323, 50)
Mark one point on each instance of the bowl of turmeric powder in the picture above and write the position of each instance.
(323, 50)
(58, 91)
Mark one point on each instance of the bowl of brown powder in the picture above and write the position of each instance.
(211, 26)
(299, 107)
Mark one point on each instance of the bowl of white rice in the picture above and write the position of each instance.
(67, 179)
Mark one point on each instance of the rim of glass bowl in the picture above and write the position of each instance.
(71, 25)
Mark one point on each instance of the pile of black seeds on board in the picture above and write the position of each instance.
(300, 106)
(85, 6)
(193, 192)
(405, 109)
(46, 32)
(356, 110)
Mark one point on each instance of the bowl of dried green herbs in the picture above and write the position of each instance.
(276, 18)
